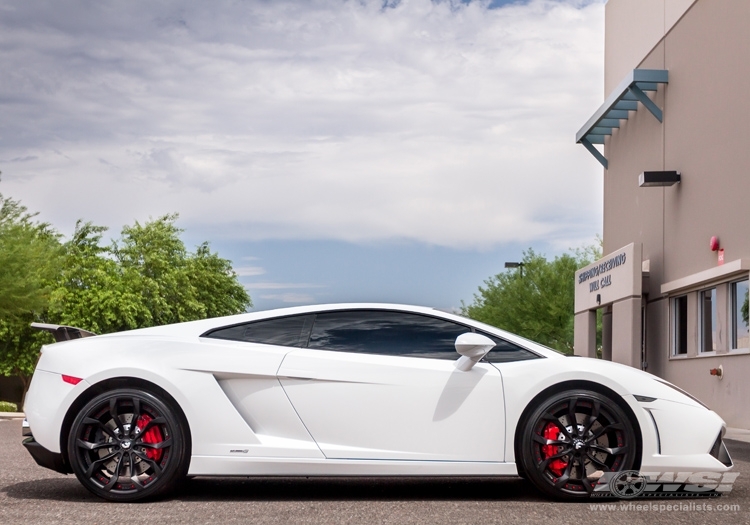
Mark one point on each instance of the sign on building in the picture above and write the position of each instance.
(611, 278)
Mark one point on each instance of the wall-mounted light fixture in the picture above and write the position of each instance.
(649, 179)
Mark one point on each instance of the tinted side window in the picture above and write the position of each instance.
(283, 331)
(386, 333)
(506, 351)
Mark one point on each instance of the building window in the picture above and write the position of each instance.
(740, 331)
(680, 306)
(707, 316)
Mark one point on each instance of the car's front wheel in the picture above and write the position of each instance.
(127, 445)
(571, 439)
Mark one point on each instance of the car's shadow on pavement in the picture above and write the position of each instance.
(303, 489)
(387, 489)
(57, 489)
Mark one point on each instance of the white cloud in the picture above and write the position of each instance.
(291, 298)
(248, 271)
(444, 123)
(280, 286)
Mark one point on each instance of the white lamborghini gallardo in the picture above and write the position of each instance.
(350, 390)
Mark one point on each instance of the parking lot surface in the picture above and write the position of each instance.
(31, 494)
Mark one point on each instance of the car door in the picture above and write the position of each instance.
(376, 384)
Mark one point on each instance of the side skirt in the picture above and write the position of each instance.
(224, 466)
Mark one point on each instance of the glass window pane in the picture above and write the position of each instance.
(506, 351)
(283, 331)
(386, 333)
(708, 320)
(740, 331)
(401, 333)
(680, 325)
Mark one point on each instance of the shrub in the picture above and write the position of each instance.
(7, 406)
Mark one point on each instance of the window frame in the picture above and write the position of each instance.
(724, 307)
(304, 338)
(530, 354)
(714, 320)
(733, 312)
(677, 325)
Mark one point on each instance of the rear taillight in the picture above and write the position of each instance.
(72, 380)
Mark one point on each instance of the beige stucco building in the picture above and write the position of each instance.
(674, 283)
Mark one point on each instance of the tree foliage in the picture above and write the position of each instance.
(534, 301)
(28, 254)
(91, 290)
(145, 278)
(215, 282)
(19, 347)
(175, 285)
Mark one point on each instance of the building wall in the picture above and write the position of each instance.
(706, 107)
(634, 28)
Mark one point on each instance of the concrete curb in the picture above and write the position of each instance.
(12, 415)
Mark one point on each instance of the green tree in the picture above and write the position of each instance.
(92, 291)
(28, 253)
(175, 285)
(215, 282)
(146, 278)
(534, 301)
(29, 256)
(19, 347)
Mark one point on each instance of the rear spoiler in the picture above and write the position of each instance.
(63, 333)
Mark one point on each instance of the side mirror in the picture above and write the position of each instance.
(472, 347)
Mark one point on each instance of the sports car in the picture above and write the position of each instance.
(350, 390)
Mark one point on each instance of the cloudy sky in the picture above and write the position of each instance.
(334, 150)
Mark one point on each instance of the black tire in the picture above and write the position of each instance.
(128, 445)
(564, 460)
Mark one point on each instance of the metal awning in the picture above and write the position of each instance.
(618, 105)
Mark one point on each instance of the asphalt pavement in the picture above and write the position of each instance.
(33, 495)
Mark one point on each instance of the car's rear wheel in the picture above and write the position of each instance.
(127, 445)
(571, 439)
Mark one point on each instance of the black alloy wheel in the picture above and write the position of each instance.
(571, 439)
(127, 445)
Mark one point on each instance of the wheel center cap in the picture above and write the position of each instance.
(125, 444)
(578, 444)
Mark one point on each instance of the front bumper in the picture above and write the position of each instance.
(720, 452)
(677, 450)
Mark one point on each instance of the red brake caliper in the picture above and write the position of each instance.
(152, 435)
(557, 466)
